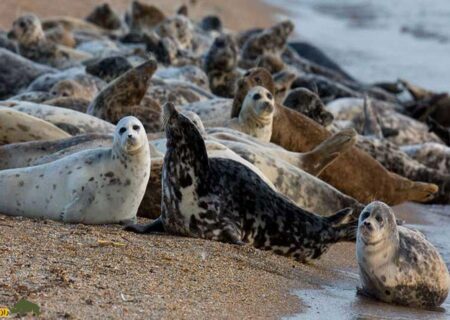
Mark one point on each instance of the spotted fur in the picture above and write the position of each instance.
(397, 264)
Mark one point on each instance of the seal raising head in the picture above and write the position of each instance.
(223, 200)
(397, 264)
(94, 186)
(27, 30)
(256, 115)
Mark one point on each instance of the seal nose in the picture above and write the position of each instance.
(368, 225)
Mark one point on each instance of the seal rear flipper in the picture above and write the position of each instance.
(416, 191)
(318, 159)
(156, 226)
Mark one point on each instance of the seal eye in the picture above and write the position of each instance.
(220, 43)
(365, 215)
(122, 130)
(269, 96)
(379, 219)
(136, 127)
(22, 24)
(257, 96)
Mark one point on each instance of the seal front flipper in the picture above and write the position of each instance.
(156, 226)
(75, 211)
(316, 160)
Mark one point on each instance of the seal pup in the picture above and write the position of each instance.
(256, 116)
(396, 264)
(220, 199)
(17, 72)
(355, 173)
(96, 186)
(308, 103)
(124, 95)
(16, 126)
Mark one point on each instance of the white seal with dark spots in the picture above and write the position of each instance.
(96, 186)
(223, 200)
(397, 264)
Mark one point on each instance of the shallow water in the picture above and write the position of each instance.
(339, 300)
(379, 40)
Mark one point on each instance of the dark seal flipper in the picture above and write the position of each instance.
(439, 130)
(344, 225)
(156, 226)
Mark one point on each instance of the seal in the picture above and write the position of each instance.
(27, 154)
(308, 103)
(74, 89)
(143, 17)
(441, 131)
(396, 264)
(16, 73)
(33, 44)
(105, 17)
(16, 126)
(355, 173)
(71, 121)
(220, 64)
(432, 155)
(96, 186)
(220, 199)
(270, 41)
(256, 115)
(108, 68)
(123, 97)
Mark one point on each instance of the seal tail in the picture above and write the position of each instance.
(343, 224)
(316, 160)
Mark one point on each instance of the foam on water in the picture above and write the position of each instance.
(379, 40)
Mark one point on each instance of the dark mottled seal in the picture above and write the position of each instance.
(220, 199)
(397, 264)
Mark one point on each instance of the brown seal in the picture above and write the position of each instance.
(354, 173)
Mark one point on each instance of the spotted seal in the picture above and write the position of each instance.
(396, 264)
(143, 17)
(220, 199)
(432, 155)
(97, 186)
(16, 126)
(71, 121)
(124, 95)
(355, 173)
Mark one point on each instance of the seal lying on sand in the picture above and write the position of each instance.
(222, 200)
(96, 186)
(433, 155)
(17, 126)
(354, 173)
(397, 264)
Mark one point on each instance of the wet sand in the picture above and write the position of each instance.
(83, 272)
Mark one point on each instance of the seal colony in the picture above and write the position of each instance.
(268, 143)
